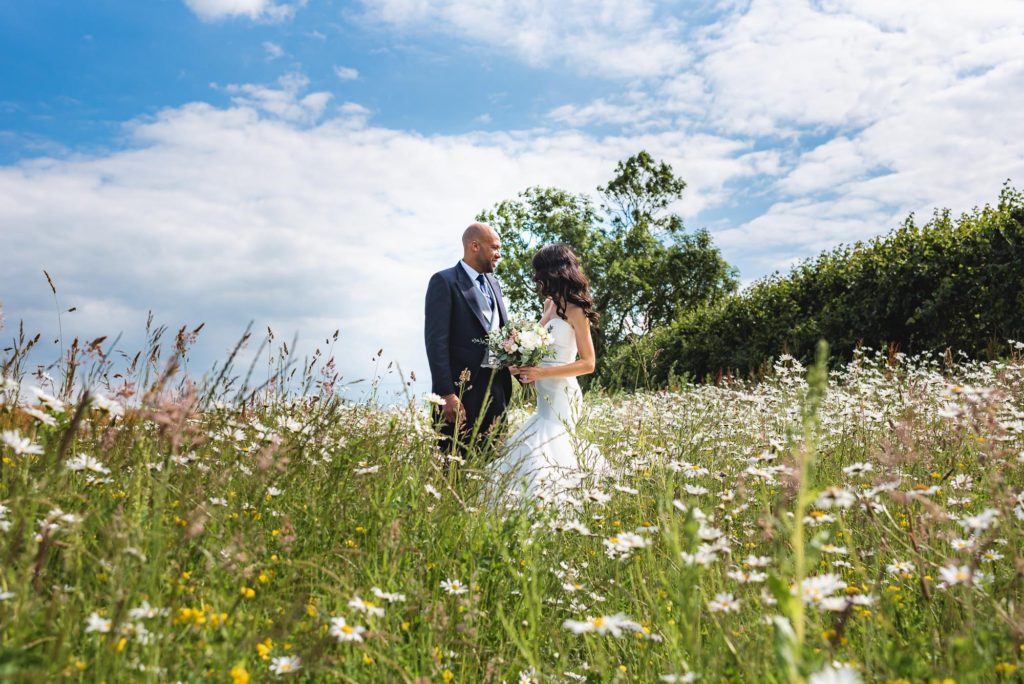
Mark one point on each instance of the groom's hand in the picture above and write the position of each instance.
(514, 370)
(453, 409)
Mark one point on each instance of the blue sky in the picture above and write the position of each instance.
(307, 165)
(77, 72)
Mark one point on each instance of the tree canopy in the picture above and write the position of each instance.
(644, 266)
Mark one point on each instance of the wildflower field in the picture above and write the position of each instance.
(858, 524)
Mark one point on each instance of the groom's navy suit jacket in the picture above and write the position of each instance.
(453, 319)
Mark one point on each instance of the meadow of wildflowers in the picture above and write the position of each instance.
(861, 524)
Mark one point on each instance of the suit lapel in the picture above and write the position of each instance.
(466, 286)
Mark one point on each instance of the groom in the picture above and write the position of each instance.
(463, 304)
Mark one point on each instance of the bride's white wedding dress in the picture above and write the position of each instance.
(544, 454)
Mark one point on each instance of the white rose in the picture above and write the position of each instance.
(529, 340)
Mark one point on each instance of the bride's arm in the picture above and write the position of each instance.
(585, 346)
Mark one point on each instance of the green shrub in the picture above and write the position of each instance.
(945, 284)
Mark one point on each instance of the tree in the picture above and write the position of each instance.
(644, 267)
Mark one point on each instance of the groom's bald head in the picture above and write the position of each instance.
(478, 232)
(481, 247)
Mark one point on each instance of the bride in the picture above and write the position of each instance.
(544, 454)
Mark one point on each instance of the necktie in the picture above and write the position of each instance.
(486, 291)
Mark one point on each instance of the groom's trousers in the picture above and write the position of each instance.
(484, 401)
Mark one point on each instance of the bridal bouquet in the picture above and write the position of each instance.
(519, 343)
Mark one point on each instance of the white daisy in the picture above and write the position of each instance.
(606, 624)
(368, 607)
(108, 405)
(835, 497)
(724, 603)
(86, 462)
(835, 674)
(435, 399)
(285, 664)
(95, 623)
(342, 631)
(387, 596)
(50, 402)
(956, 574)
(453, 586)
(899, 567)
(20, 445)
(44, 418)
(815, 589)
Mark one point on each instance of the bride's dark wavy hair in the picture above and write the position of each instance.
(556, 271)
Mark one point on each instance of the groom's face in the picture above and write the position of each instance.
(489, 253)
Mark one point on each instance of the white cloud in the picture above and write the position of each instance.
(600, 112)
(354, 109)
(307, 217)
(678, 102)
(273, 50)
(828, 166)
(803, 228)
(930, 100)
(915, 105)
(346, 73)
(847, 63)
(269, 10)
(257, 211)
(616, 38)
(773, 67)
(286, 101)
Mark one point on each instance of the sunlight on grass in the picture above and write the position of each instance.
(159, 530)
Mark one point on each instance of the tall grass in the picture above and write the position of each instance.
(868, 521)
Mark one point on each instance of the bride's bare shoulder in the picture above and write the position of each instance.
(575, 314)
